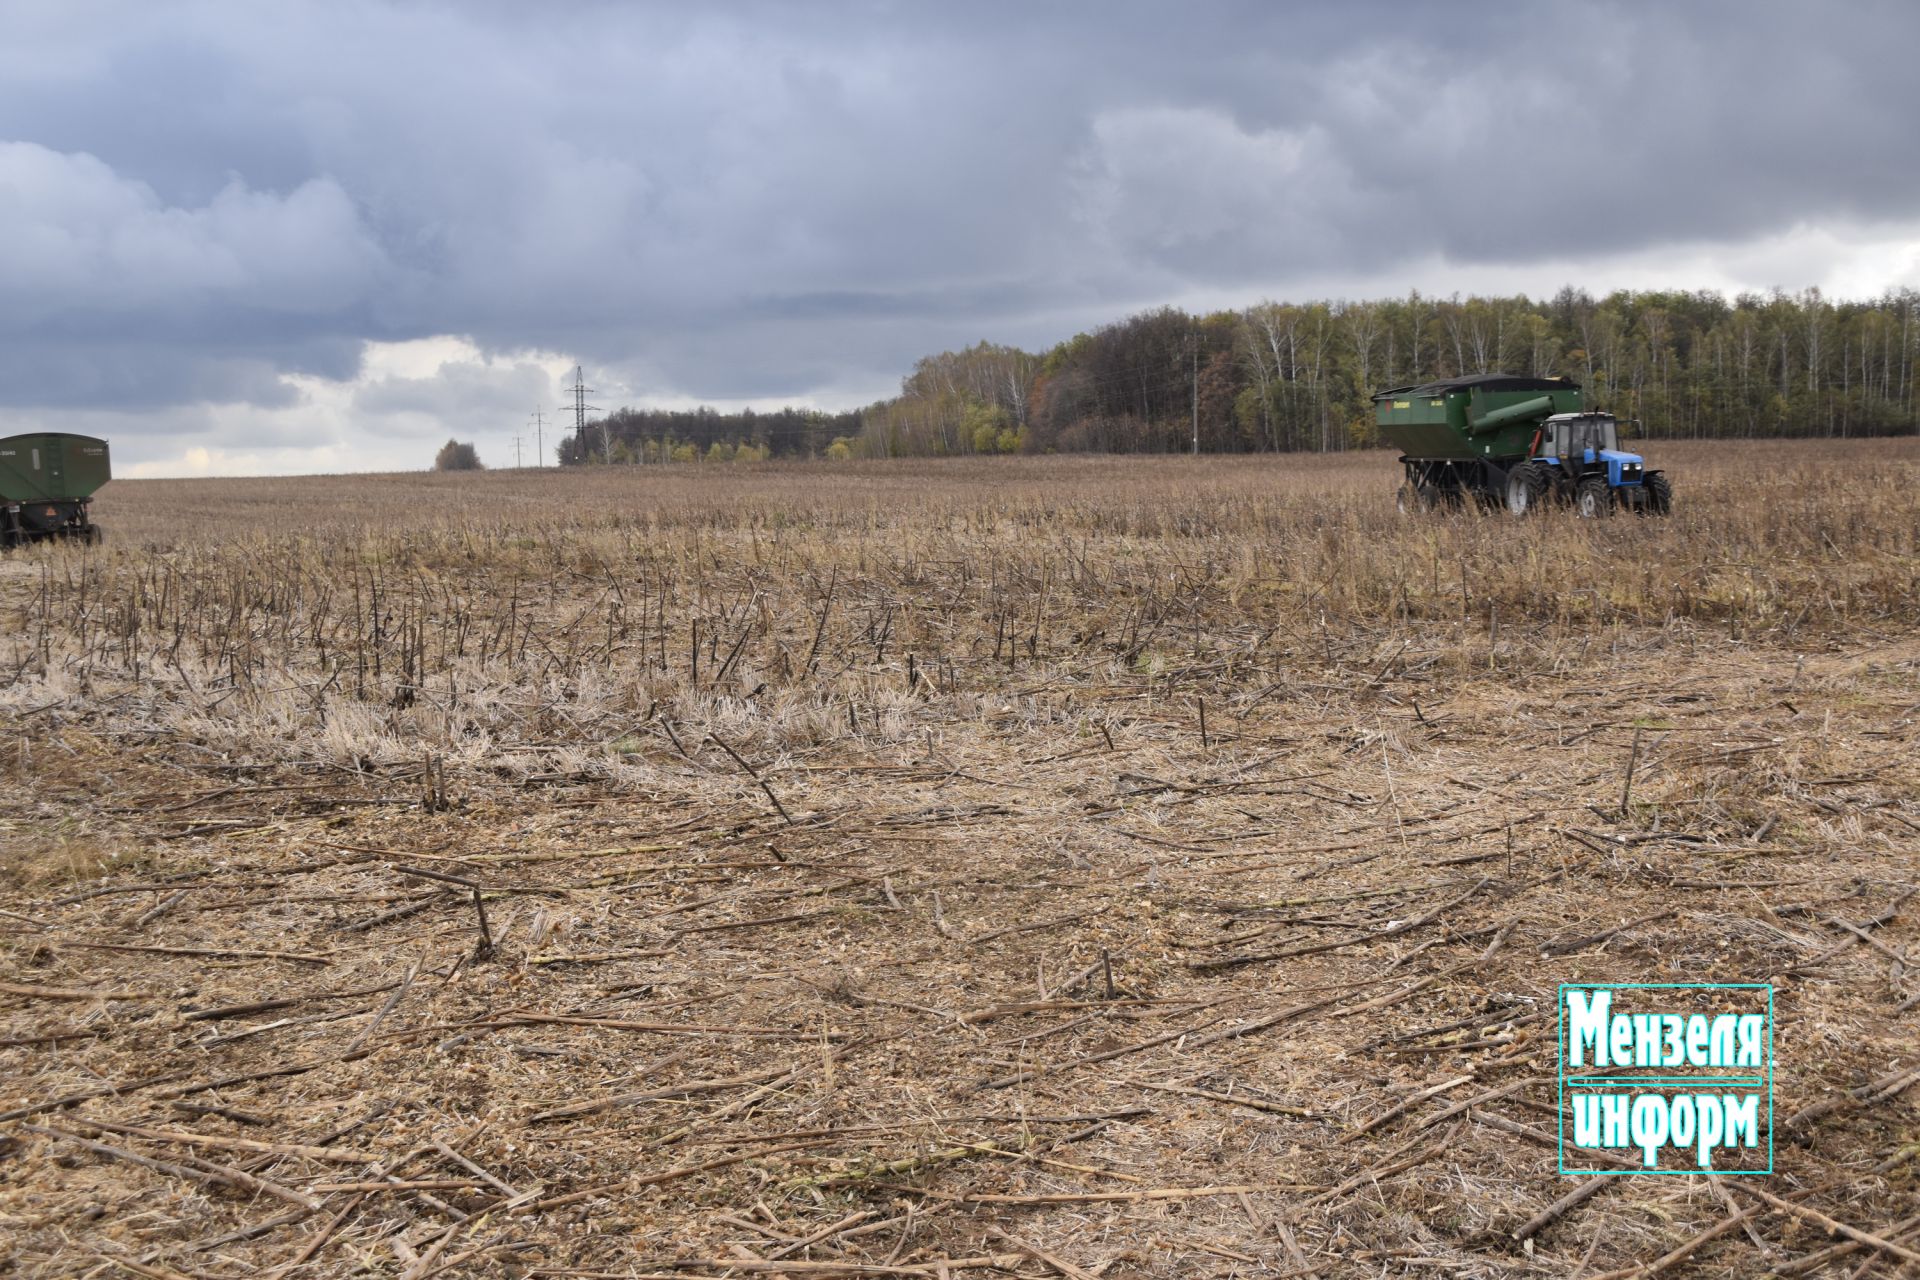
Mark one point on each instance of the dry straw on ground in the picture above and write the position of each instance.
(1054, 867)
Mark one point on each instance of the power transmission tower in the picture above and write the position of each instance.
(581, 408)
(539, 444)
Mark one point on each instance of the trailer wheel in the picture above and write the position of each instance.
(1526, 489)
(1412, 498)
(1659, 500)
(1592, 500)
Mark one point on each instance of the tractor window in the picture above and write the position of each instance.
(1591, 433)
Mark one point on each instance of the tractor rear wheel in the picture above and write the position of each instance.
(1659, 500)
(1526, 488)
(1592, 500)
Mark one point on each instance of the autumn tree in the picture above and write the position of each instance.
(455, 456)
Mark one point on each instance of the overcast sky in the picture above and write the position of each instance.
(284, 237)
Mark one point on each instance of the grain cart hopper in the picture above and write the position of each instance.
(1513, 442)
(46, 486)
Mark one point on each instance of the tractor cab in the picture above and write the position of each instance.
(1579, 437)
(1583, 444)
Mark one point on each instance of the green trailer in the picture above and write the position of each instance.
(1518, 442)
(47, 483)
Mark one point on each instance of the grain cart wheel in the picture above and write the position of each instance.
(1526, 488)
(1421, 498)
(1659, 499)
(1592, 500)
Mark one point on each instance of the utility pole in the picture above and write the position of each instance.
(1196, 395)
(539, 445)
(516, 453)
(581, 408)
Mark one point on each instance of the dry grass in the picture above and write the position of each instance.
(42, 854)
(862, 845)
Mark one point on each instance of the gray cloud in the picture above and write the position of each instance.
(460, 393)
(764, 200)
(84, 241)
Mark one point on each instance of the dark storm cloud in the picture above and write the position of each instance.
(138, 375)
(764, 200)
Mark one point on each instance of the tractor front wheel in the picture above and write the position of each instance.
(1592, 500)
(1659, 499)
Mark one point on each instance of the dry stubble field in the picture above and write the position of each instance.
(1137, 867)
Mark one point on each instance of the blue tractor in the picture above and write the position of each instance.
(1578, 460)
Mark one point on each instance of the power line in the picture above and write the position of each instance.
(539, 443)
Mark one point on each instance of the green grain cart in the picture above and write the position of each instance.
(1514, 442)
(47, 483)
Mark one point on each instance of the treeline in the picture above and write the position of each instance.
(1283, 376)
(696, 435)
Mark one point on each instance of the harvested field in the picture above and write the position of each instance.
(1055, 867)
